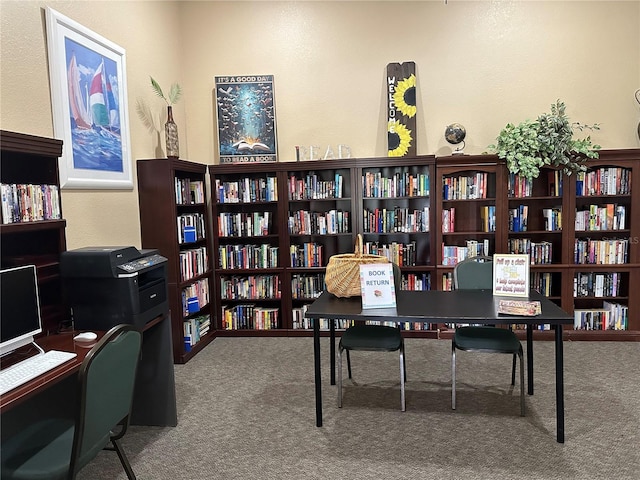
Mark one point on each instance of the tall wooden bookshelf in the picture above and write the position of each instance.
(488, 204)
(28, 239)
(174, 219)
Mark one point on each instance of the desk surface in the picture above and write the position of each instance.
(436, 306)
(63, 341)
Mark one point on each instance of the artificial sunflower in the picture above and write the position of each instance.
(399, 139)
(405, 96)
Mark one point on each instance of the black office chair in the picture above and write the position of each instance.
(374, 338)
(57, 448)
(476, 273)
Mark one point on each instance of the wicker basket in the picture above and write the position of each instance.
(343, 271)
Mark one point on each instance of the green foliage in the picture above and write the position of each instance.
(174, 92)
(546, 141)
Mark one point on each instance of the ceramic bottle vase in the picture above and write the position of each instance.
(171, 135)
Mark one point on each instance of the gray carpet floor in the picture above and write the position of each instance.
(246, 411)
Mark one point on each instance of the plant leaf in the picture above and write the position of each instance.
(156, 88)
(175, 93)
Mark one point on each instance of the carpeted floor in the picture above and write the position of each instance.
(246, 411)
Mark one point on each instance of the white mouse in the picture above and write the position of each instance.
(85, 337)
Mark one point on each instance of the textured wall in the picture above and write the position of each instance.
(482, 64)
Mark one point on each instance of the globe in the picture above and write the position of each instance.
(455, 133)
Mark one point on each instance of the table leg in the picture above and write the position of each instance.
(332, 350)
(559, 385)
(530, 359)
(318, 379)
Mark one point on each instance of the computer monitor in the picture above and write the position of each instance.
(20, 314)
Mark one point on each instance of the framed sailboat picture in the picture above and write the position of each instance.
(89, 100)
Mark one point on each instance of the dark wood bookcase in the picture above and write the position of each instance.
(489, 207)
(33, 160)
(319, 209)
(166, 205)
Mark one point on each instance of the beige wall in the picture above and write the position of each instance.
(482, 64)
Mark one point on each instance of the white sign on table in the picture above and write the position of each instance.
(511, 275)
(377, 285)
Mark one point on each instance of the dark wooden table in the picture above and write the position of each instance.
(434, 306)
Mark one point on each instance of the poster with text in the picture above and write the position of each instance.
(246, 119)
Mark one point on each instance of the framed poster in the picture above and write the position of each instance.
(89, 99)
(511, 274)
(246, 119)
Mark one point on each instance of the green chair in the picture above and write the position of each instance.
(476, 273)
(57, 448)
(374, 338)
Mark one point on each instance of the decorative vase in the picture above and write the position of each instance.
(171, 135)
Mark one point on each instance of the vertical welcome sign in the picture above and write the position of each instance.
(401, 109)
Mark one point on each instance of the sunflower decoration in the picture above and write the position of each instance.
(399, 139)
(405, 96)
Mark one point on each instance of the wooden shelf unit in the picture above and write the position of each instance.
(29, 159)
(160, 210)
(544, 194)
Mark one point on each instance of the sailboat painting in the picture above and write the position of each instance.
(93, 109)
(88, 89)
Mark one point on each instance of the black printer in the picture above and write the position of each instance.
(106, 286)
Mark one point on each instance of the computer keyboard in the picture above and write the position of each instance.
(32, 367)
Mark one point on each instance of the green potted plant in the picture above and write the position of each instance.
(546, 141)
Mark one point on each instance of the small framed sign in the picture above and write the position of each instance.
(511, 275)
(377, 285)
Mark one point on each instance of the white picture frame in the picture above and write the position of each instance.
(511, 274)
(88, 83)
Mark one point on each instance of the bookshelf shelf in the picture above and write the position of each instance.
(170, 191)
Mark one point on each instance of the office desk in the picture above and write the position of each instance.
(154, 401)
(433, 306)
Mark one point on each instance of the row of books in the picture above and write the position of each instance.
(193, 262)
(250, 316)
(590, 284)
(300, 322)
(194, 329)
(304, 222)
(552, 219)
(600, 252)
(521, 187)
(191, 227)
(612, 316)
(194, 297)
(488, 218)
(402, 254)
(308, 254)
(401, 184)
(247, 190)
(189, 192)
(250, 287)
(604, 181)
(248, 256)
(463, 187)
(416, 281)
(518, 218)
(596, 217)
(307, 286)
(29, 203)
(313, 187)
(244, 224)
(398, 219)
(453, 254)
(542, 282)
(540, 253)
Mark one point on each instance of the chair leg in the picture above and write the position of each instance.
(513, 370)
(349, 363)
(340, 374)
(403, 377)
(521, 383)
(123, 459)
(453, 376)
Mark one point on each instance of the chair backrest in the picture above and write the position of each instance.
(397, 277)
(474, 273)
(106, 384)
